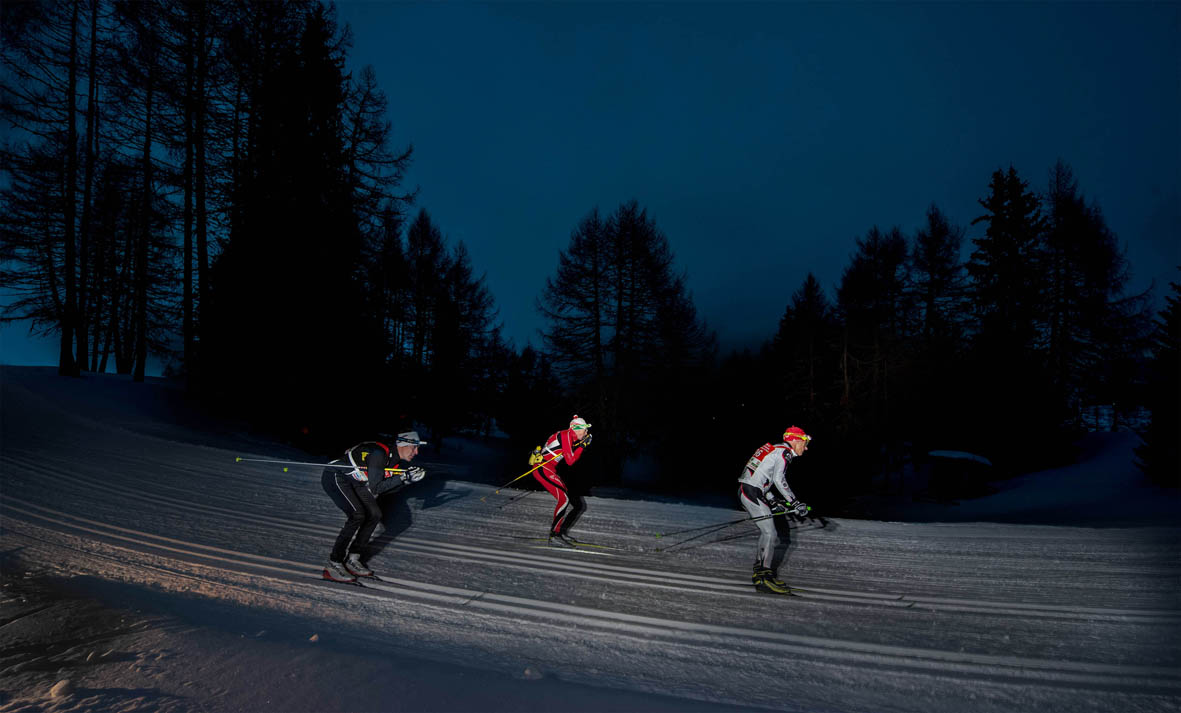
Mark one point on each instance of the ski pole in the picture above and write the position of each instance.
(240, 459)
(717, 528)
(515, 498)
(720, 525)
(703, 527)
(555, 459)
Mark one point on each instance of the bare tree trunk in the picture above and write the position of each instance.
(112, 333)
(187, 252)
(141, 248)
(104, 271)
(845, 368)
(84, 248)
(66, 365)
(202, 211)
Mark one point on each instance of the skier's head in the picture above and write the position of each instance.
(797, 439)
(408, 443)
(580, 427)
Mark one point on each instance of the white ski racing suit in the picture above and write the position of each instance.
(766, 468)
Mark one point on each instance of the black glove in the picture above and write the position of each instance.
(801, 510)
(586, 439)
(413, 474)
(777, 506)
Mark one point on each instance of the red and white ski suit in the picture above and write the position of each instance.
(560, 446)
(766, 468)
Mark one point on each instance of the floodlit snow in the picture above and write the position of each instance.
(145, 570)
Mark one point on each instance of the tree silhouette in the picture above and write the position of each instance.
(877, 310)
(40, 52)
(1093, 331)
(623, 334)
(805, 354)
(1160, 456)
(939, 286)
(1006, 289)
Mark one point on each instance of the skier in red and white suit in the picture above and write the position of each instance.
(566, 446)
(767, 468)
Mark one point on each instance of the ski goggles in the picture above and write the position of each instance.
(797, 437)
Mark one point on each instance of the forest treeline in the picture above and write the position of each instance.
(208, 184)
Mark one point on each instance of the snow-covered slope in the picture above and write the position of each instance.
(1104, 488)
(193, 583)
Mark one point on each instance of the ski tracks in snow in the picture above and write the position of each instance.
(220, 570)
(634, 618)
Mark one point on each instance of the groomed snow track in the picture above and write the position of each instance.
(890, 616)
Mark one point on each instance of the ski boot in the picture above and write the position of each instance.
(765, 573)
(559, 540)
(759, 572)
(764, 580)
(336, 572)
(355, 568)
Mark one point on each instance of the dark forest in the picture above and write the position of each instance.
(211, 185)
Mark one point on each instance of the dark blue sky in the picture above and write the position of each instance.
(764, 138)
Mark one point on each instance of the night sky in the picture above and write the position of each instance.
(764, 138)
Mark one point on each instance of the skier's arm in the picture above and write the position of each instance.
(569, 452)
(375, 467)
(779, 477)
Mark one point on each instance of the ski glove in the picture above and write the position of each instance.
(801, 509)
(536, 458)
(586, 440)
(776, 505)
(413, 474)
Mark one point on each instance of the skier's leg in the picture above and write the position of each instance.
(562, 508)
(577, 507)
(372, 515)
(553, 484)
(560, 512)
(346, 498)
(767, 538)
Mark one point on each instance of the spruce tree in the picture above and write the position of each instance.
(938, 283)
(1160, 456)
(1007, 274)
(623, 333)
(805, 354)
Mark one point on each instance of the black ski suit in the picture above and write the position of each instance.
(355, 491)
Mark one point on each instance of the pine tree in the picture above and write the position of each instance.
(1160, 456)
(1094, 332)
(293, 264)
(805, 353)
(1006, 289)
(939, 286)
(877, 310)
(40, 54)
(938, 278)
(1006, 267)
(623, 333)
